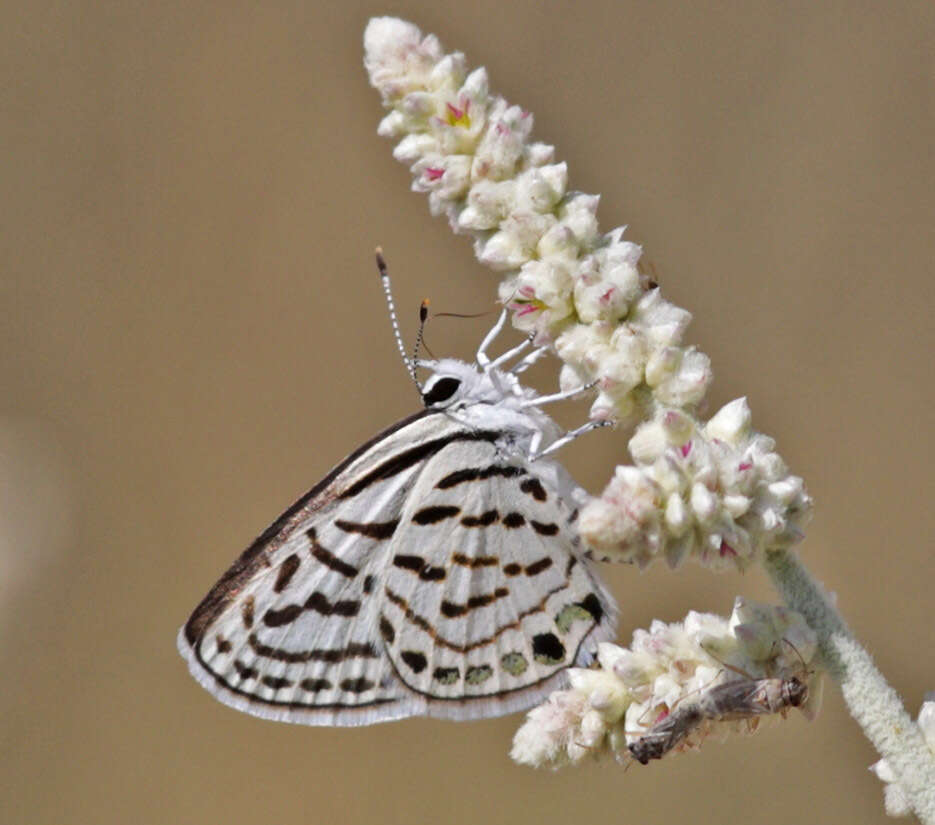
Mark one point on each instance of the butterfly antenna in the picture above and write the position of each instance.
(388, 292)
(420, 336)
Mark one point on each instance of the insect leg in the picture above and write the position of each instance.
(528, 360)
(559, 396)
(511, 353)
(482, 360)
(569, 437)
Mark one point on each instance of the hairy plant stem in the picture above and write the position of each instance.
(875, 706)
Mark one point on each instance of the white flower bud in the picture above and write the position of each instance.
(677, 519)
(536, 190)
(476, 85)
(649, 442)
(540, 154)
(558, 242)
(503, 250)
(704, 503)
(731, 422)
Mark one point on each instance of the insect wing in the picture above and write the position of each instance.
(486, 599)
(321, 621)
(290, 631)
(667, 734)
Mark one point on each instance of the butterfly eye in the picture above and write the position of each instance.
(441, 391)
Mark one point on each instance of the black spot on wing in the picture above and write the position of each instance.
(286, 571)
(245, 672)
(513, 520)
(475, 561)
(318, 602)
(477, 474)
(386, 630)
(593, 605)
(359, 685)
(332, 655)
(372, 530)
(452, 609)
(416, 661)
(550, 529)
(284, 615)
(547, 649)
(483, 520)
(538, 567)
(533, 487)
(329, 559)
(418, 565)
(408, 562)
(433, 515)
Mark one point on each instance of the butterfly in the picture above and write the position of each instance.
(435, 571)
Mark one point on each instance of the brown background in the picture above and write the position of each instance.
(192, 334)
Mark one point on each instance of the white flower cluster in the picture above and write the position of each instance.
(613, 705)
(717, 493)
(564, 282)
(894, 797)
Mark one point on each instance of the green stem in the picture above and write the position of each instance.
(875, 706)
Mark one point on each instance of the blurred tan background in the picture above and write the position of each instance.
(192, 334)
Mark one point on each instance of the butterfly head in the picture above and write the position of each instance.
(453, 383)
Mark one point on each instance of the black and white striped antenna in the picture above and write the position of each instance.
(420, 336)
(388, 292)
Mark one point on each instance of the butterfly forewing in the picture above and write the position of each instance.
(432, 572)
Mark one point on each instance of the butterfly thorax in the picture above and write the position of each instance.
(485, 398)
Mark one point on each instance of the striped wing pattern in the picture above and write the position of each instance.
(428, 574)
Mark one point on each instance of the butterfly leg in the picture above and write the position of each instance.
(566, 439)
(559, 396)
(512, 353)
(528, 360)
(483, 360)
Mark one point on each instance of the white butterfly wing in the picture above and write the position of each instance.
(486, 599)
(324, 618)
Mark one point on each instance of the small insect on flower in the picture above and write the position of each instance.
(731, 701)
(747, 698)
(434, 571)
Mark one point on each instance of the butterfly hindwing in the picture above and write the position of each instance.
(487, 600)
(427, 574)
